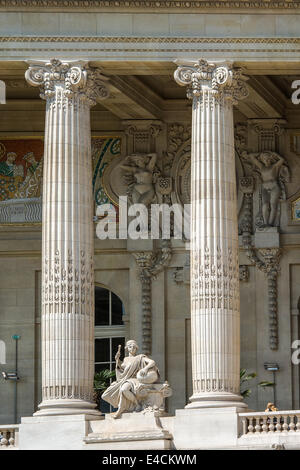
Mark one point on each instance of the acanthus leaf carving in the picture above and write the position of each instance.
(211, 82)
(60, 82)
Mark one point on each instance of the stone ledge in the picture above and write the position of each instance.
(124, 437)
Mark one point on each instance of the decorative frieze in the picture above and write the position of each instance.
(150, 4)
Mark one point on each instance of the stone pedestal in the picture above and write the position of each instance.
(54, 432)
(215, 307)
(132, 431)
(206, 428)
(70, 89)
(267, 237)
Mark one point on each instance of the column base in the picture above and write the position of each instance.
(216, 400)
(204, 428)
(67, 407)
(54, 432)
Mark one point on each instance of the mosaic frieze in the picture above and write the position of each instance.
(20, 168)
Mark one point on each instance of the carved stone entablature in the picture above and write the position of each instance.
(146, 4)
(198, 5)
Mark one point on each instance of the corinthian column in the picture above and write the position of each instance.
(215, 305)
(70, 89)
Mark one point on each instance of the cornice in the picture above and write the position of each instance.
(146, 5)
(145, 40)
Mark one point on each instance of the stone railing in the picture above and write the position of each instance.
(9, 436)
(270, 422)
(270, 430)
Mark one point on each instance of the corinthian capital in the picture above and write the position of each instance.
(220, 78)
(70, 77)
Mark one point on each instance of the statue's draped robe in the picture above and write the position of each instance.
(126, 374)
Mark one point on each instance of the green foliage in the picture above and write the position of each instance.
(245, 377)
(102, 381)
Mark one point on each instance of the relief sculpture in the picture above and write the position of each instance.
(139, 176)
(273, 173)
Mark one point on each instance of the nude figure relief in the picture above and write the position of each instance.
(144, 180)
(273, 173)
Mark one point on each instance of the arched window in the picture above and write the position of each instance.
(109, 332)
(109, 308)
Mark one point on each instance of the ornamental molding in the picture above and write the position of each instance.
(59, 44)
(213, 82)
(145, 40)
(150, 265)
(149, 5)
(73, 78)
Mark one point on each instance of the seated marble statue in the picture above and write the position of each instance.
(132, 374)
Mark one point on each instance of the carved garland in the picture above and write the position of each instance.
(270, 266)
(150, 265)
(214, 282)
(66, 289)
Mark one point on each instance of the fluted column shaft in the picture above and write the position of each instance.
(67, 247)
(215, 307)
